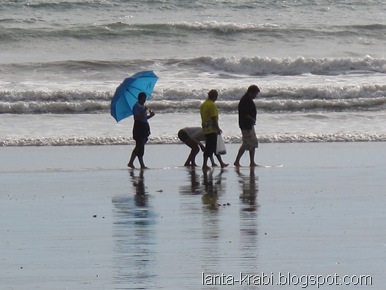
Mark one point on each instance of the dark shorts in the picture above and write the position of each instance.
(182, 135)
(210, 144)
(141, 131)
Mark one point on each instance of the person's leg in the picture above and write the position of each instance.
(210, 148)
(193, 152)
(252, 157)
(185, 139)
(141, 153)
(222, 163)
(132, 158)
(239, 155)
(136, 137)
(137, 152)
(253, 143)
(205, 163)
(213, 162)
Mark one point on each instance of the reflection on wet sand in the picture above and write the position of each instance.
(194, 186)
(134, 232)
(193, 233)
(249, 190)
(211, 229)
(212, 189)
(248, 220)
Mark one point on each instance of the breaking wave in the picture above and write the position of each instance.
(312, 98)
(118, 30)
(282, 138)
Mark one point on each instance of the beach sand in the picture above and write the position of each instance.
(77, 218)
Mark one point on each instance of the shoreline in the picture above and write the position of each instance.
(114, 156)
(263, 139)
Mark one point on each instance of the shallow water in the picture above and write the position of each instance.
(85, 223)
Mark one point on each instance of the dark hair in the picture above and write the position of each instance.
(212, 94)
(141, 95)
(253, 89)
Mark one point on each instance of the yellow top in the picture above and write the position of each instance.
(208, 110)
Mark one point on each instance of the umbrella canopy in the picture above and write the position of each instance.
(126, 95)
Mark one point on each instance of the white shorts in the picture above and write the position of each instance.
(249, 139)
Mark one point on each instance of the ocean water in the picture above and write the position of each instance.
(320, 64)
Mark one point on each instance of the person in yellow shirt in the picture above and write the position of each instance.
(210, 127)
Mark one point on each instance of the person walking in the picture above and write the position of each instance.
(247, 121)
(141, 130)
(210, 126)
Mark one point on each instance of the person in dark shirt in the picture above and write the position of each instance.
(247, 122)
(141, 130)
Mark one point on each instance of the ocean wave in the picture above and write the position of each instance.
(55, 5)
(280, 138)
(274, 99)
(224, 67)
(53, 107)
(292, 66)
(276, 30)
(119, 29)
(270, 106)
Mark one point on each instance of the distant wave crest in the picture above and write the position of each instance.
(293, 66)
(223, 66)
(119, 29)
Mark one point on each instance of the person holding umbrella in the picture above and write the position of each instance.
(141, 130)
(129, 99)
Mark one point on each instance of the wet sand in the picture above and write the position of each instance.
(77, 218)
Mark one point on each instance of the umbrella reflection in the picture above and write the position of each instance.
(134, 233)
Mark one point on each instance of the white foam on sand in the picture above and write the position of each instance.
(77, 218)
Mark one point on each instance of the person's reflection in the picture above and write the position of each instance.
(138, 182)
(248, 218)
(194, 184)
(212, 188)
(249, 189)
(134, 234)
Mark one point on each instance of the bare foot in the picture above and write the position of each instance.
(131, 165)
(236, 164)
(223, 165)
(205, 167)
(253, 165)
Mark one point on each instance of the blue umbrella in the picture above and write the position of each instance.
(126, 95)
